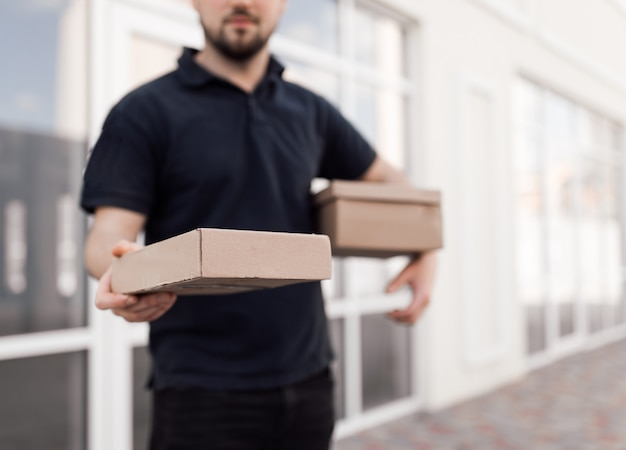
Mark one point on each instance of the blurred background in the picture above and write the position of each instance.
(515, 109)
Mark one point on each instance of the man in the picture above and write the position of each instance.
(224, 142)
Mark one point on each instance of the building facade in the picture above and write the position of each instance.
(514, 109)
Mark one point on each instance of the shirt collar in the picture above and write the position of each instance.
(193, 74)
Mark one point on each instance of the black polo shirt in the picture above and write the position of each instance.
(192, 150)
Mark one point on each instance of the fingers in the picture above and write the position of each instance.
(407, 276)
(149, 307)
(105, 299)
(123, 247)
(403, 278)
(419, 274)
(413, 312)
(131, 307)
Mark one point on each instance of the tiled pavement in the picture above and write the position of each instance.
(576, 404)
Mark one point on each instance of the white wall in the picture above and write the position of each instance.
(470, 54)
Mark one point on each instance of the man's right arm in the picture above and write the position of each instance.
(110, 226)
(113, 233)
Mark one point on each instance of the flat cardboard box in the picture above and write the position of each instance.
(379, 219)
(220, 261)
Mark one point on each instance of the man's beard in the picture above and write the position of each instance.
(235, 50)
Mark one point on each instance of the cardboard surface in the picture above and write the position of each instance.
(219, 261)
(378, 219)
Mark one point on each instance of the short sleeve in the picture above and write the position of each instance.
(122, 168)
(346, 153)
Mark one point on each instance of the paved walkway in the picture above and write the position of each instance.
(576, 404)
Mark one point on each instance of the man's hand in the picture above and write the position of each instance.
(133, 308)
(419, 274)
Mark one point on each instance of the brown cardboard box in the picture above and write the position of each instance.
(219, 261)
(379, 219)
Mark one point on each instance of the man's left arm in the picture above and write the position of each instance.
(420, 272)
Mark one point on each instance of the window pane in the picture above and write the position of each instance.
(364, 277)
(592, 235)
(336, 330)
(43, 113)
(617, 138)
(620, 309)
(319, 81)
(386, 360)
(561, 209)
(141, 398)
(584, 135)
(381, 118)
(313, 23)
(380, 42)
(530, 212)
(536, 340)
(43, 403)
(559, 116)
(601, 132)
(365, 112)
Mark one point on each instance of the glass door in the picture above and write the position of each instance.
(44, 334)
(144, 42)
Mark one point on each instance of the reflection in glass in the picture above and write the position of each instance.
(43, 113)
(570, 243)
(591, 231)
(561, 224)
(47, 90)
(530, 216)
(67, 248)
(386, 357)
(15, 246)
(567, 317)
(578, 239)
(536, 324)
(141, 398)
(42, 230)
(43, 403)
(313, 23)
(336, 330)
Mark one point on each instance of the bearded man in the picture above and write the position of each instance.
(223, 141)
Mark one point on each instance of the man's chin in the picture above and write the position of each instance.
(239, 53)
(235, 45)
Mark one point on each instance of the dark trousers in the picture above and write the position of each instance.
(294, 417)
